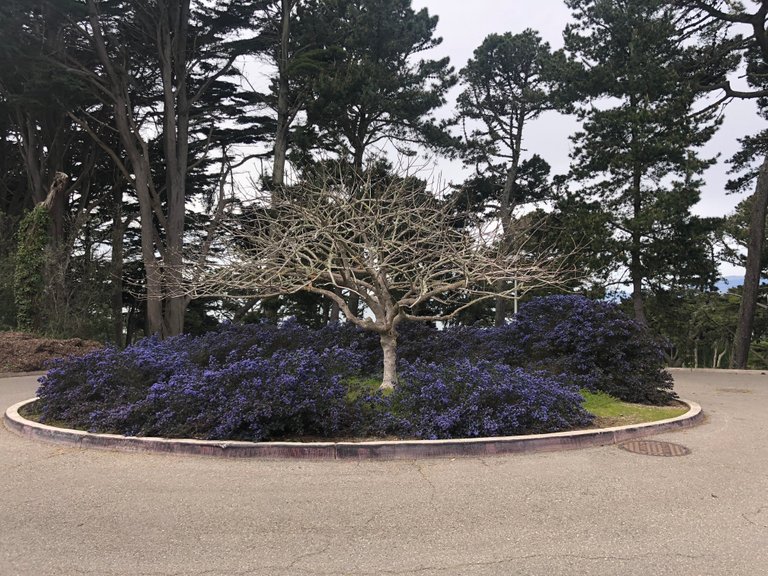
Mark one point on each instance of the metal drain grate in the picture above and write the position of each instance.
(654, 448)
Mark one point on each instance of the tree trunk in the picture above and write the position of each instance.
(270, 307)
(635, 264)
(118, 237)
(500, 316)
(637, 298)
(389, 347)
(507, 205)
(283, 111)
(743, 338)
(55, 272)
(130, 324)
(162, 227)
(173, 316)
(325, 311)
(173, 70)
(335, 313)
(720, 357)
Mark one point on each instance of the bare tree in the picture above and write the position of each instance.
(399, 249)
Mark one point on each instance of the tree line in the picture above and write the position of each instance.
(125, 127)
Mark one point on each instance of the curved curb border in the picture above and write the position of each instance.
(385, 450)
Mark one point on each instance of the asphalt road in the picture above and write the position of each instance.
(601, 511)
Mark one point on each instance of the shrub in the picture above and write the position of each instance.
(590, 344)
(99, 390)
(470, 399)
(422, 341)
(262, 381)
(146, 391)
(291, 393)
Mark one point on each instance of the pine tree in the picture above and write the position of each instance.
(637, 151)
(373, 87)
(510, 81)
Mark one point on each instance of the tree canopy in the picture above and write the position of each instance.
(131, 132)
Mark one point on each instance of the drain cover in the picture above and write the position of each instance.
(654, 448)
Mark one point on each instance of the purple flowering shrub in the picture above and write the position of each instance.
(262, 382)
(587, 343)
(146, 391)
(462, 398)
(291, 393)
(100, 389)
(422, 341)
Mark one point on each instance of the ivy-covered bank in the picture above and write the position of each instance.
(28, 279)
(266, 382)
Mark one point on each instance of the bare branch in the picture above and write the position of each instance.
(388, 240)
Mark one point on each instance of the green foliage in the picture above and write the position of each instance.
(698, 325)
(28, 277)
(636, 153)
(510, 80)
(579, 230)
(7, 266)
(736, 236)
(372, 85)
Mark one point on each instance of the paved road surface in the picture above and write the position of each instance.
(601, 511)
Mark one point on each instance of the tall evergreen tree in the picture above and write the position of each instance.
(374, 87)
(637, 150)
(510, 81)
(38, 99)
(730, 33)
(157, 63)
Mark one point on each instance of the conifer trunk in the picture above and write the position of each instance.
(743, 338)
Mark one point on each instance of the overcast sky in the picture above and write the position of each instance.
(463, 25)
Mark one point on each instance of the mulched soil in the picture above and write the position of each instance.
(21, 352)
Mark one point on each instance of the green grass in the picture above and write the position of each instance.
(358, 386)
(610, 411)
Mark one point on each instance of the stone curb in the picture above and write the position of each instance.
(4, 375)
(719, 371)
(383, 450)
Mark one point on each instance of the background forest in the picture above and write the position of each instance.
(133, 131)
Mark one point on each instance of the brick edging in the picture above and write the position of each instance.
(388, 450)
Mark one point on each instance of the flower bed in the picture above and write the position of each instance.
(265, 382)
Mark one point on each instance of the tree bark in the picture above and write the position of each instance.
(57, 260)
(507, 205)
(389, 348)
(743, 338)
(162, 224)
(283, 110)
(635, 264)
(335, 314)
(638, 304)
(118, 237)
(500, 315)
(173, 65)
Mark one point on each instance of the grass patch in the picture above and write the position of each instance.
(610, 411)
(358, 387)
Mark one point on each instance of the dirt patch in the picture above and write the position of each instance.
(21, 352)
